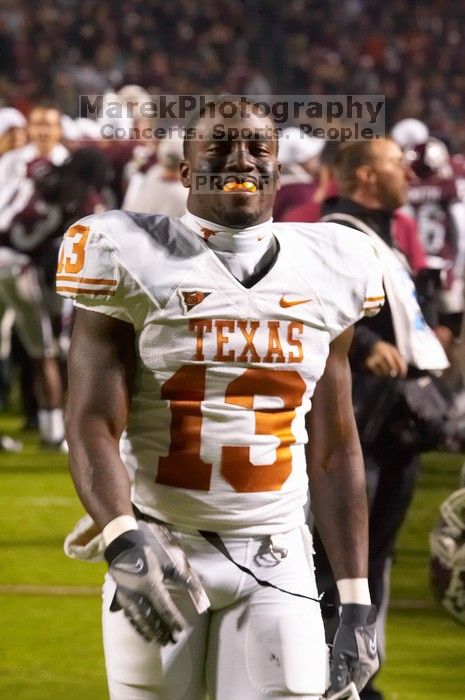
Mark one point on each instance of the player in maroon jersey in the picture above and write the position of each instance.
(436, 201)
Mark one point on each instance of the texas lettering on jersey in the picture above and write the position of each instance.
(238, 340)
(216, 433)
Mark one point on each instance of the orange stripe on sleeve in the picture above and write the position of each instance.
(83, 280)
(83, 290)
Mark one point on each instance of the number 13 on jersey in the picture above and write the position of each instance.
(183, 467)
(72, 261)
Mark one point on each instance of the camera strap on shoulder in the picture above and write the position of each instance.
(415, 340)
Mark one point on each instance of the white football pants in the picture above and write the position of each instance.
(253, 643)
(20, 290)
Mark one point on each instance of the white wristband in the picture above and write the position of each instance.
(117, 527)
(354, 590)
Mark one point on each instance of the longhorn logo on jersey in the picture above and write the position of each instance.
(192, 298)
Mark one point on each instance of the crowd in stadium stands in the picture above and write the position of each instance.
(65, 48)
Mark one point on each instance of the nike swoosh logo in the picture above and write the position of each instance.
(132, 568)
(286, 303)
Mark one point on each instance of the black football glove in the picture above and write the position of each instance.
(355, 651)
(141, 562)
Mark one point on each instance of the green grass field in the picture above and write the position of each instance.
(49, 622)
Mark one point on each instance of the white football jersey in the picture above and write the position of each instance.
(216, 433)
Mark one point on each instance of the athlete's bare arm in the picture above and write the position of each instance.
(335, 467)
(101, 369)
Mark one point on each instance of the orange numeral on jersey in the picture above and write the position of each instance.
(74, 262)
(183, 466)
(235, 460)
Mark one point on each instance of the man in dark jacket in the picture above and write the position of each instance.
(373, 179)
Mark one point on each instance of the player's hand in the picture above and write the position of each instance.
(355, 651)
(385, 360)
(141, 563)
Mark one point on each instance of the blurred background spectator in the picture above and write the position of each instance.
(155, 188)
(299, 155)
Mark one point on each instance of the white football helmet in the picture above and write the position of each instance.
(135, 96)
(424, 153)
(408, 133)
(295, 146)
(430, 157)
(447, 562)
(133, 93)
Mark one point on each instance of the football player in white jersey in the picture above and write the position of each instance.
(21, 287)
(206, 340)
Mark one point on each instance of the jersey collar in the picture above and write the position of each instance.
(227, 239)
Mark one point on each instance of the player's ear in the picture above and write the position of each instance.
(185, 171)
(365, 174)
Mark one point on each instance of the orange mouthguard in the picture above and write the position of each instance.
(234, 186)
